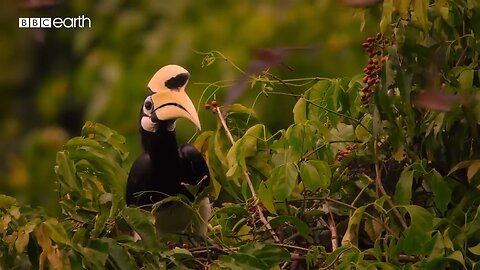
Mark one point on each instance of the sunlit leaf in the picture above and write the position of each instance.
(420, 9)
(386, 15)
(6, 201)
(300, 111)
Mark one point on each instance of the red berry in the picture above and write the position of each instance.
(207, 106)
(370, 39)
(383, 60)
(214, 103)
(375, 61)
(370, 61)
(366, 70)
(379, 35)
(365, 45)
(366, 78)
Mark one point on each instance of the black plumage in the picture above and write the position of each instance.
(163, 167)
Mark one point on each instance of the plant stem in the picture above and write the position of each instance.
(379, 185)
(332, 227)
(249, 182)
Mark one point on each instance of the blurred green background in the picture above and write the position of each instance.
(53, 80)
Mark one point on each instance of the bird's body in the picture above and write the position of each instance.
(164, 169)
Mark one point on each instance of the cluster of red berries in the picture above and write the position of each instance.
(213, 106)
(342, 154)
(374, 47)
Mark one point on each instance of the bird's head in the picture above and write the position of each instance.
(168, 100)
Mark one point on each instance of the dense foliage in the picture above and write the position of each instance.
(378, 170)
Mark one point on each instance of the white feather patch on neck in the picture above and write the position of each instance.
(171, 126)
(148, 125)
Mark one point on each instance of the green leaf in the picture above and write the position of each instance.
(351, 235)
(402, 7)
(299, 137)
(419, 231)
(420, 9)
(435, 246)
(240, 261)
(56, 231)
(65, 169)
(315, 174)
(95, 254)
(272, 255)
(6, 201)
(142, 222)
(360, 132)
(122, 259)
(475, 250)
(300, 111)
(265, 195)
(465, 78)
(283, 180)
(387, 10)
(317, 95)
(342, 132)
(446, 262)
(302, 228)
(179, 253)
(441, 191)
(335, 256)
(403, 190)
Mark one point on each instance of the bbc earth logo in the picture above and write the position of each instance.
(68, 22)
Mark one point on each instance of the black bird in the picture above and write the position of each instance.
(164, 168)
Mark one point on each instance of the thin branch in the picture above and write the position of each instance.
(283, 83)
(332, 227)
(249, 182)
(379, 186)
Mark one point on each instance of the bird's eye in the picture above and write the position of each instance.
(148, 105)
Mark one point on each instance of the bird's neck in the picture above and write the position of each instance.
(161, 145)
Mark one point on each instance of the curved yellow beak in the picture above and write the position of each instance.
(171, 105)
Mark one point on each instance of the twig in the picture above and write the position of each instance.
(249, 182)
(282, 82)
(332, 227)
(379, 186)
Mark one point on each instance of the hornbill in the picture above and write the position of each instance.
(163, 169)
